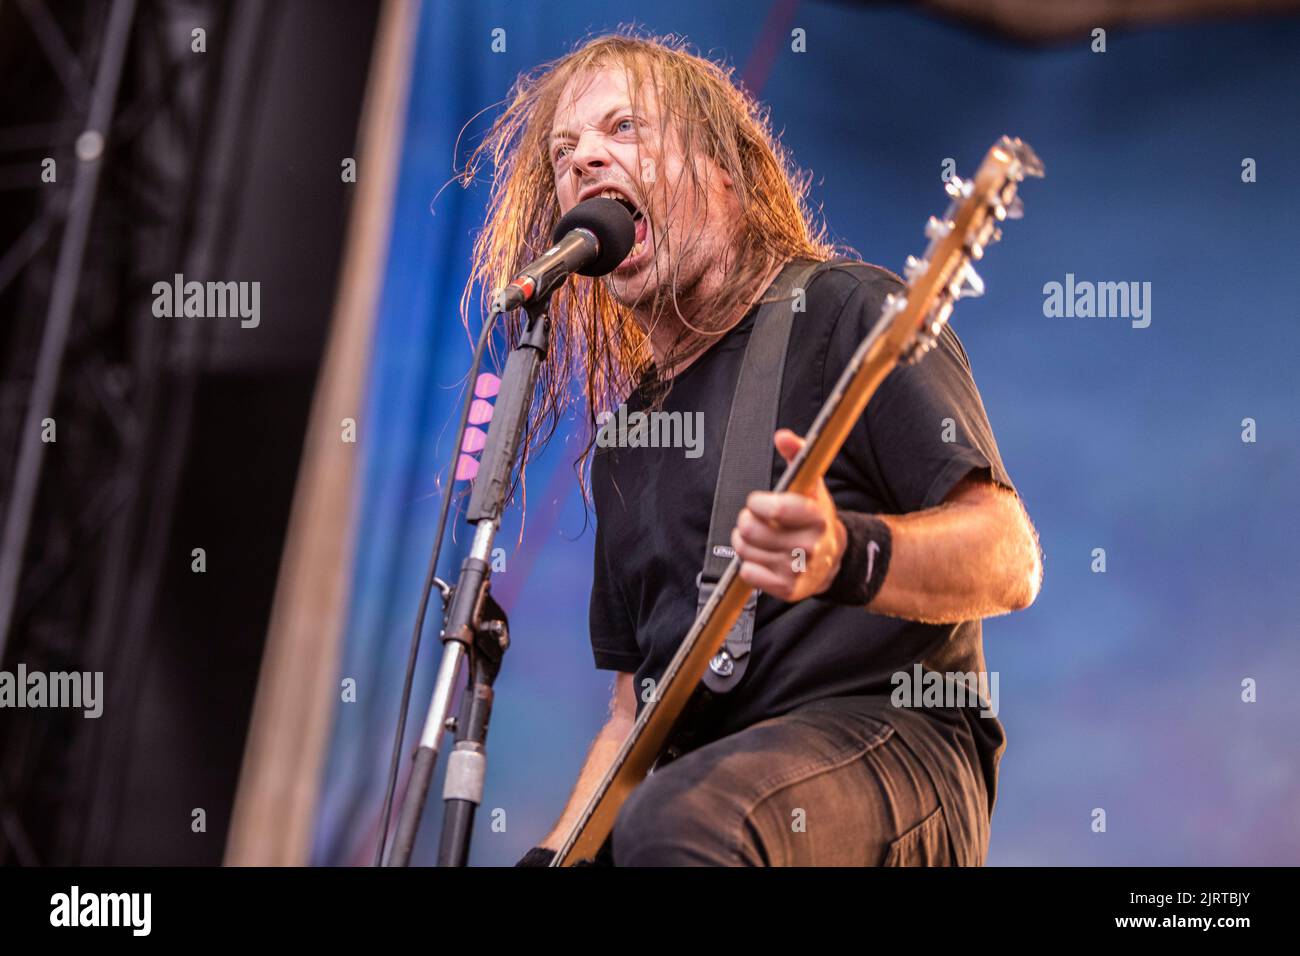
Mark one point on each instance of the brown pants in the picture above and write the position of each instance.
(838, 782)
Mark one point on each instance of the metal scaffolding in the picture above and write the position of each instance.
(151, 129)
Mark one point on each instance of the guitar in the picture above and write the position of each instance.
(908, 327)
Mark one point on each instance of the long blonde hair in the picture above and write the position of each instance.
(595, 340)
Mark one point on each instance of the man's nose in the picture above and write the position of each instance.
(590, 152)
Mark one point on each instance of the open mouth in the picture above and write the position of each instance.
(639, 247)
(627, 204)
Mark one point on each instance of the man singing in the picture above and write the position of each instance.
(813, 757)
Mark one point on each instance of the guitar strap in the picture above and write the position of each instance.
(747, 454)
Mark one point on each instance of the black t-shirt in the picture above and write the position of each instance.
(923, 430)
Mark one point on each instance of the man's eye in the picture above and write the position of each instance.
(631, 123)
(560, 151)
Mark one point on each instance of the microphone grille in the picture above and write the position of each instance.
(610, 222)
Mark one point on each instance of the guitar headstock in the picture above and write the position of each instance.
(958, 239)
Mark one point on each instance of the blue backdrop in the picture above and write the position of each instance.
(1119, 690)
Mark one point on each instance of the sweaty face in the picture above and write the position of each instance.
(602, 142)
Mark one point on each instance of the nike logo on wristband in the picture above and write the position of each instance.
(872, 549)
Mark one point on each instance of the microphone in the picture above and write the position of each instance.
(591, 240)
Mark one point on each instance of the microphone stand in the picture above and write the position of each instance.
(474, 625)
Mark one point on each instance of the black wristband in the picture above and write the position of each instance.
(865, 562)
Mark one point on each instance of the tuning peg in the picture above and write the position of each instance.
(1021, 159)
(987, 234)
(928, 334)
(913, 267)
(1014, 208)
(921, 343)
(968, 284)
(956, 187)
(936, 228)
(939, 318)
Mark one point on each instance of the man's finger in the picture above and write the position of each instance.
(757, 531)
(787, 509)
(787, 443)
(777, 558)
(757, 576)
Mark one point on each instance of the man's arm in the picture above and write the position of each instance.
(622, 715)
(975, 555)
